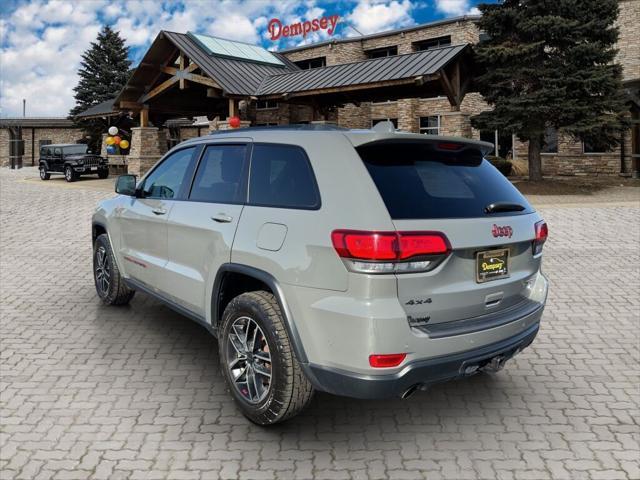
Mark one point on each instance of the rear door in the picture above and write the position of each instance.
(201, 230)
(490, 226)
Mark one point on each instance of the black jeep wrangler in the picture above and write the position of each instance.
(72, 160)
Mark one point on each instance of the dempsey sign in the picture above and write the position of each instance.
(277, 30)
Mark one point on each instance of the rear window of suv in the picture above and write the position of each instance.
(417, 180)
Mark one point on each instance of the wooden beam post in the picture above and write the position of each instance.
(144, 116)
(182, 62)
(233, 107)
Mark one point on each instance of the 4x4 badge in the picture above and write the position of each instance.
(498, 231)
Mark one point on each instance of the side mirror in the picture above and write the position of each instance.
(126, 185)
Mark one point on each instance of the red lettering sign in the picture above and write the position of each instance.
(277, 30)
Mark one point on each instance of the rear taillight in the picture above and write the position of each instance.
(387, 360)
(390, 252)
(542, 232)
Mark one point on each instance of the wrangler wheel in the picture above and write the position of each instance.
(69, 174)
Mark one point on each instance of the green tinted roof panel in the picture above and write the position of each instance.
(239, 50)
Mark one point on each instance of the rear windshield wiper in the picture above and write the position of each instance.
(500, 207)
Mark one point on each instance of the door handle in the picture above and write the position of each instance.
(222, 218)
(159, 211)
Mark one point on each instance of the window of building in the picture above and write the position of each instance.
(312, 63)
(220, 178)
(502, 142)
(166, 180)
(550, 143)
(431, 43)
(595, 145)
(281, 176)
(375, 121)
(382, 52)
(266, 104)
(430, 125)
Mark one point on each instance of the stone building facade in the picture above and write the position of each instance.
(34, 132)
(436, 115)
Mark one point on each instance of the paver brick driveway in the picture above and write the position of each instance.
(89, 391)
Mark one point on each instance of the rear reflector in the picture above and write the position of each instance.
(386, 361)
(542, 232)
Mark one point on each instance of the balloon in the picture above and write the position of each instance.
(117, 140)
(234, 122)
(124, 144)
(109, 141)
(113, 130)
(111, 149)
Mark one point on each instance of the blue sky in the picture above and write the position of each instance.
(41, 41)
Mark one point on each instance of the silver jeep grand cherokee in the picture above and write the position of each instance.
(365, 263)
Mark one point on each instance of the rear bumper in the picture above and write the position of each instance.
(418, 373)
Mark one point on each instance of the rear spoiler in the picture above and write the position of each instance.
(361, 137)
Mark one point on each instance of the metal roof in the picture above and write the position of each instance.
(396, 67)
(236, 77)
(102, 109)
(446, 21)
(37, 122)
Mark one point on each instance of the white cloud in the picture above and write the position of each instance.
(370, 16)
(41, 42)
(456, 7)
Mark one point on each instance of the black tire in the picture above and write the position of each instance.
(289, 391)
(69, 174)
(114, 291)
(103, 173)
(44, 175)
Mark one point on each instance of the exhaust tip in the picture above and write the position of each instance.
(409, 391)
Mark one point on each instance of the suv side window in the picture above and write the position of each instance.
(221, 175)
(166, 180)
(57, 151)
(281, 176)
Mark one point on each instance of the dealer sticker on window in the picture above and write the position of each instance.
(492, 265)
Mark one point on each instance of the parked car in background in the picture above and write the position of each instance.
(71, 160)
(364, 263)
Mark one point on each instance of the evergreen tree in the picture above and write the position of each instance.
(103, 72)
(550, 63)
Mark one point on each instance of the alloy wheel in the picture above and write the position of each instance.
(249, 360)
(68, 174)
(103, 272)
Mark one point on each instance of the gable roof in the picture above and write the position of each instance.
(235, 76)
(248, 78)
(397, 67)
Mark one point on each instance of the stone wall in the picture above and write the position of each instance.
(629, 40)
(462, 31)
(4, 147)
(32, 136)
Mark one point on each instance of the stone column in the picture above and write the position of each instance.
(103, 145)
(148, 144)
(456, 124)
(408, 115)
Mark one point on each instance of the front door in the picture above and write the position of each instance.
(144, 244)
(202, 229)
